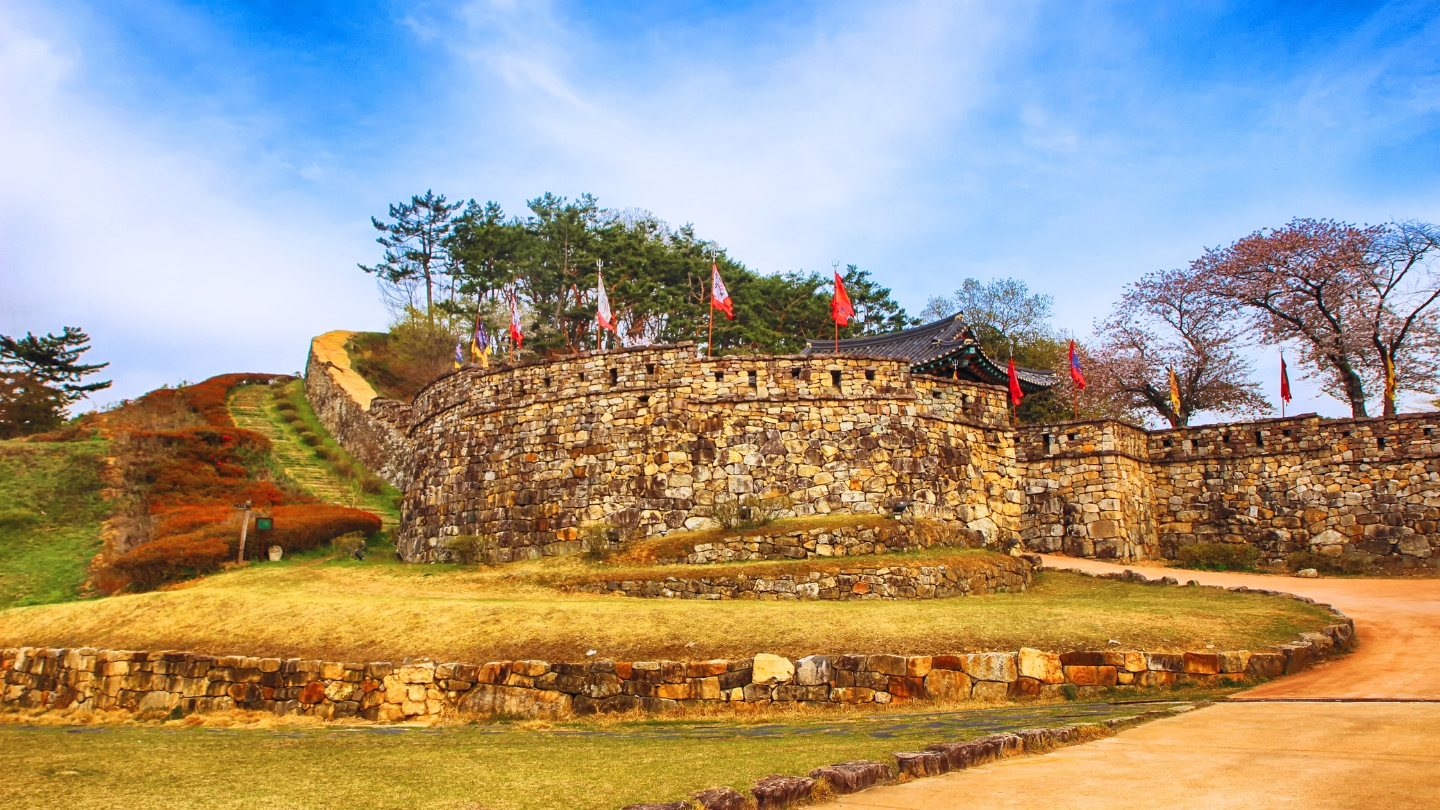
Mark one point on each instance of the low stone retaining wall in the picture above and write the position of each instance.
(163, 682)
(1006, 575)
(901, 534)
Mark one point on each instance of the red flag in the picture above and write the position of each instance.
(1015, 393)
(719, 297)
(1076, 375)
(840, 309)
(1284, 380)
(515, 322)
(602, 305)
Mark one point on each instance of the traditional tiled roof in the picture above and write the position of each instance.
(943, 348)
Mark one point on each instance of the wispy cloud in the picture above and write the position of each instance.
(143, 243)
(193, 183)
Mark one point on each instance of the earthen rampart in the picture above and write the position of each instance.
(370, 428)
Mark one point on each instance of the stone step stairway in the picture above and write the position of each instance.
(252, 408)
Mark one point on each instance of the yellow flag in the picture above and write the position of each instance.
(1174, 392)
(1389, 379)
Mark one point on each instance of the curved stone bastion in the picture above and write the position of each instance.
(636, 442)
(540, 458)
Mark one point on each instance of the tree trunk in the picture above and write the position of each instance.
(1354, 387)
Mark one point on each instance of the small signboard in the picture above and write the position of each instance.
(264, 524)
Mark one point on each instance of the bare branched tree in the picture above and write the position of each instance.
(1169, 320)
(1351, 299)
(1005, 305)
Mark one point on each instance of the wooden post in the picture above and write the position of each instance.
(244, 529)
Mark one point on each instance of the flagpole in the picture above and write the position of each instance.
(837, 337)
(710, 340)
(1282, 377)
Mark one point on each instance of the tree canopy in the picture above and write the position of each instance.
(470, 258)
(41, 377)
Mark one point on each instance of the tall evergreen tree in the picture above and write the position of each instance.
(41, 377)
(415, 248)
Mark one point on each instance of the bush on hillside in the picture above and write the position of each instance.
(285, 406)
(1218, 556)
(11, 518)
(1353, 563)
(200, 465)
(310, 438)
(195, 540)
(168, 559)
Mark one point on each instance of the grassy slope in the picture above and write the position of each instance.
(383, 610)
(253, 408)
(50, 516)
(576, 766)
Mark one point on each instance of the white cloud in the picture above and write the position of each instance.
(143, 243)
(774, 149)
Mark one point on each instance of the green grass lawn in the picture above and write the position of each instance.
(50, 516)
(381, 610)
(570, 766)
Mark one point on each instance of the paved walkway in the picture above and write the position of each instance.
(1270, 746)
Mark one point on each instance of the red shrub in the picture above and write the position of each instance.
(191, 478)
(305, 526)
(171, 558)
(202, 466)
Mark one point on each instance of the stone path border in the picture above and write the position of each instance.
(778, 791)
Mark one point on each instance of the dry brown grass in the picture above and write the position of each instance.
(354, 611)
(961, 559)
(678, 544)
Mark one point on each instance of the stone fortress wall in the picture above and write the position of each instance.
(650, 440)
(1328, 485)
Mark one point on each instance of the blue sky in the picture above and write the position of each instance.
(192, 181)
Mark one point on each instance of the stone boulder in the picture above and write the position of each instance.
(776, 792)
(853, 776)
(721, 798)
(491, 700)
(813, 670)
(1329, 543)
(771, 669)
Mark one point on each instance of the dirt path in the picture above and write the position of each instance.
(1264, 755)
(1270, 746)
(1397, 621)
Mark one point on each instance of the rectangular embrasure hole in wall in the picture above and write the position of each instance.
(644, 399)
(835, 378)
(1169, 442)
(1260, 438)
(1288, 433)
(795, 373)
(870, 374)
(719, 376)
(614, 376)
(753, 382)
(1381, 441)
(650, 369)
